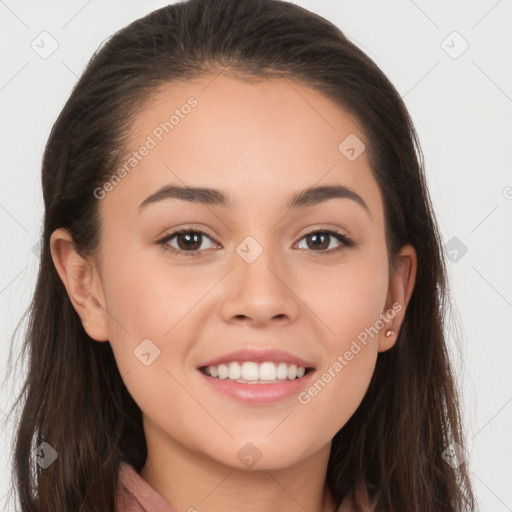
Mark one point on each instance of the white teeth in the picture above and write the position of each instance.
(223, 371)
(267, 371)
(282, 371)
(250, 372)
(235, 371)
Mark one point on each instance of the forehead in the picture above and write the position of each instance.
(257, 140)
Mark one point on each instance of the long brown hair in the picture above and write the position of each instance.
(74, 397)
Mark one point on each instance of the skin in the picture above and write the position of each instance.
(259, 142)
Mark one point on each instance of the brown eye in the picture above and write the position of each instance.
(320, 241)
(188, 242)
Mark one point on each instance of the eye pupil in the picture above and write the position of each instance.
(188, 237)
(189, 242)
(315, 237)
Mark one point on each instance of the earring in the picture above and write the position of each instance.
(389, 333)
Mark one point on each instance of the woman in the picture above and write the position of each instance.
(241, 294)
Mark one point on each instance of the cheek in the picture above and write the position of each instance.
(341, 387)
(349, 301)
(150, 306)
(140, 306)
(145, 296)
(347, 369)
(145, 307)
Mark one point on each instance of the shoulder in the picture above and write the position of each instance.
(358, 501)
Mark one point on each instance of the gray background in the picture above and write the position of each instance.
(460, 102)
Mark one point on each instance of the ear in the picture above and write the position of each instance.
(82, 283)
(401, 285)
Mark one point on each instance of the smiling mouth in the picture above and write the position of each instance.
(249, 372)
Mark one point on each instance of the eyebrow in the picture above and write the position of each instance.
(210, 196)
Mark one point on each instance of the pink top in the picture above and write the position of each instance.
(136, 495)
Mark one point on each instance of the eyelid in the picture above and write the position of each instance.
(346, 241)
(313, 228)
(163, 242)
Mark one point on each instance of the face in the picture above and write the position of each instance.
(306, 283)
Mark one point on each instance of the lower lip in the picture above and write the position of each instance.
(258, 393)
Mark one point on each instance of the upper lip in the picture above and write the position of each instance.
(258, 356)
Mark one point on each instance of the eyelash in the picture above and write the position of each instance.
(347, 242)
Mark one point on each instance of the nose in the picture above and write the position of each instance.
(261, 291)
